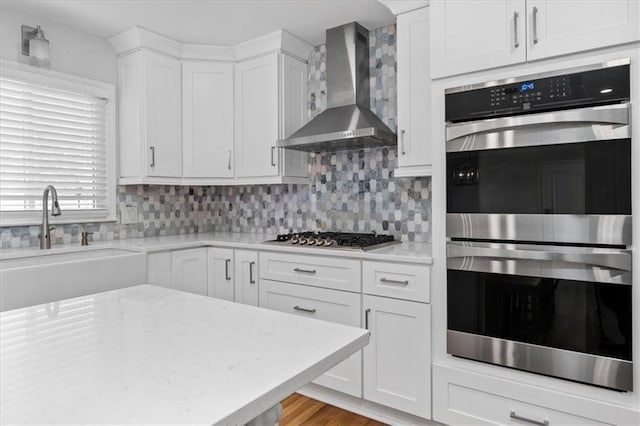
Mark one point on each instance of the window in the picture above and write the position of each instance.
(55, 130)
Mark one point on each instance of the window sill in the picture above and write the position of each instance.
(80, 219)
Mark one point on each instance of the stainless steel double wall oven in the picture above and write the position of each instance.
(539, 224)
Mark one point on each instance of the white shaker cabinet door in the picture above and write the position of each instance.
(414, 83)
(163, 115)
(474, 35)
(293, 114)
(397, 360)
(559, 27)
(207, 119)
(189, 270)
(256, 116)
(159, 269)
(221, 274)
(246, 277)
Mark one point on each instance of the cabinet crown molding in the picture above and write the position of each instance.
(139, 37)
(402, 6)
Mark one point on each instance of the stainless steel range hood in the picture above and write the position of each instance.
(347, 123)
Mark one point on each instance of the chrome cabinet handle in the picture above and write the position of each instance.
(386, 280)
(298, 308)
(307, 271)
(273, 155)
(513, 415)
(153, 156)
(402, 141)
(366, 318)
(227, 263)
(229, 159)
(535, 25)
(251, 280)
(516, 43)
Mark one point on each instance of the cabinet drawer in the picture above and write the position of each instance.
(397, 280)
(464, 397)
(495, 409)
(328, 272)
(329, 305)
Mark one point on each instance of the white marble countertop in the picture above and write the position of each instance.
(148, 355)
(409, 252)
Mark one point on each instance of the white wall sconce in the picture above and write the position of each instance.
(35, 46)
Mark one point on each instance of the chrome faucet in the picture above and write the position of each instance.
(45, 231)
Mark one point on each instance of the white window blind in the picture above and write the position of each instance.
(52, 136)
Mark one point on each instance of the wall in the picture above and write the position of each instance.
(348, 190)
(72, 51)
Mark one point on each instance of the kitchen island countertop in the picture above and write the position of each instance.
(148, 355)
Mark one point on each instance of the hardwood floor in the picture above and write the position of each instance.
(300, 410)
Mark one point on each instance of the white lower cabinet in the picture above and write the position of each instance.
(330, 305)
(159, 269)
(189, 270)
(221, 274)
(397, 360)
(466, 397)
(246, 276)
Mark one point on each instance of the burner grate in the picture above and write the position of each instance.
(344, 240)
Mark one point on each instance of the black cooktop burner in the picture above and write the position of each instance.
(340, 240)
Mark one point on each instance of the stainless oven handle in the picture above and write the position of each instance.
(617, 114)
(614, 259)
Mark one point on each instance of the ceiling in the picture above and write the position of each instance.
(220, 22)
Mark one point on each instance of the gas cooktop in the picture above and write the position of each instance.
(334, 240)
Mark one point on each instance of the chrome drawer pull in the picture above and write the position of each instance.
(366, 318)
(298, 308)
(386, 280)
(308, 271)
(513, 415)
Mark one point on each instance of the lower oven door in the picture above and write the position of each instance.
(558, 311)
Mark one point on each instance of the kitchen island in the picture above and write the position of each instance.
(147, 354)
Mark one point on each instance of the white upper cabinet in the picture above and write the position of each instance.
(475, 35)
(207, 119)
(150, 116)
(210, 115)
(558, 27)
(270, 102)
(293, 113)
(256, 116)
(414, 88)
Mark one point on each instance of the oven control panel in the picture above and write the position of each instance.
(530, 92)
(595, 87)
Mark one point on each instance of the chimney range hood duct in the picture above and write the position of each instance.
(347, 123)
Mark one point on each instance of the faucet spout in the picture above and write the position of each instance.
(45, 231)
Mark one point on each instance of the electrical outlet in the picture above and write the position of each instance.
(128, 214)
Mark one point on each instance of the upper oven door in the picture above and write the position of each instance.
(561, 176)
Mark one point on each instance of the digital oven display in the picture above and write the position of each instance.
(525, 87)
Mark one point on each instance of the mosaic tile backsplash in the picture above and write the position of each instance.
(348, 190)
